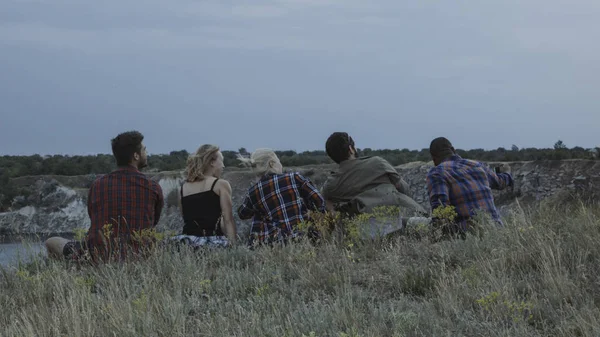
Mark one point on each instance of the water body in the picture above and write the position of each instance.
(12, 253)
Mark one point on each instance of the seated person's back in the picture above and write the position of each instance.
(201, 208)
(465, 184)
(121, 204)
(126, 200)
(205, 201)
(362, 184)
(279, 201)
(356, 176)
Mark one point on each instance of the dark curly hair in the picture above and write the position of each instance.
(441, 147)
(125, 145)
(337, 146)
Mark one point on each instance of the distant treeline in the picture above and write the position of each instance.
(17, 166)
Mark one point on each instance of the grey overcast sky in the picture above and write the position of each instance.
(286, 73)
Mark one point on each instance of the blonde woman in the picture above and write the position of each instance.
(278, 201)
(205, 201)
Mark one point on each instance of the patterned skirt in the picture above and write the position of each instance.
(201, 241)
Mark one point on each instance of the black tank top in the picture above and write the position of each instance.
(202, 213)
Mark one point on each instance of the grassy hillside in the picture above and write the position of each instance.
(536, 277)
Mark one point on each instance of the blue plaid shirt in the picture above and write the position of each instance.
(467, 185)
(278, 203)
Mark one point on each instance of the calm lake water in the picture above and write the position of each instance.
(11, 253)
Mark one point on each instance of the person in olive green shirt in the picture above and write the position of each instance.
(363, 183)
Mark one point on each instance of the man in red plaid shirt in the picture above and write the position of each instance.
(121, 205)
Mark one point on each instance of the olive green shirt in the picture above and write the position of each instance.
(365, 183)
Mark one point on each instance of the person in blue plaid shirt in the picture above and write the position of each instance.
(278, 201)
(465, 184)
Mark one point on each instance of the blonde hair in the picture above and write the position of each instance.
(199, 162)
(260, 161)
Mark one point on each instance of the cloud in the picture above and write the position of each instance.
(148, 39)
(258, 11)
(154, 25)
(387, 70)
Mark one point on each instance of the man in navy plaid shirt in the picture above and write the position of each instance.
(465, 184)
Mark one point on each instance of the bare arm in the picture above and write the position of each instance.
(224, 189)
(179, 200)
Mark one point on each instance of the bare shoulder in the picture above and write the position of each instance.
(222, 185)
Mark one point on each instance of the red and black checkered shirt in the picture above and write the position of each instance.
(278, 203)
(121, 203)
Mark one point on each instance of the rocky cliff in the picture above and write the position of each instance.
(57, 204)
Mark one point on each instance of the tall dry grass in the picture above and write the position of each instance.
(538, 276)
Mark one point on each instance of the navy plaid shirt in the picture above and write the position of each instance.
(127, 201)
(467, 185)
(278, 203)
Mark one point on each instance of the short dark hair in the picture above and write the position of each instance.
(125, 145)
(440, 147)
(337, 146)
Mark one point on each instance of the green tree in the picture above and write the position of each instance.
(559, 145)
